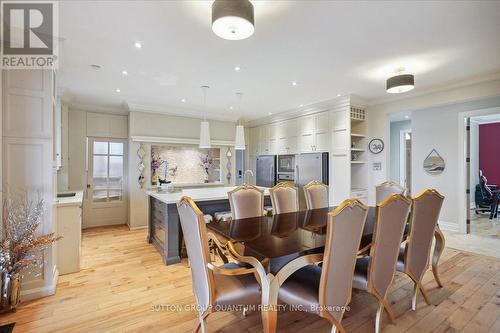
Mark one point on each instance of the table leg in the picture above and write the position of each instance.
(269, 311)
(438, 250)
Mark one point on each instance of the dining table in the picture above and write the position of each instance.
(282, 238)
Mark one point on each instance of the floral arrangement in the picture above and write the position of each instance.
(20, 247)
(155, 163)
(206, 162)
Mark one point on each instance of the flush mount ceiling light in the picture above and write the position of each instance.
(205, 126)
(400, 83)
(233, 19)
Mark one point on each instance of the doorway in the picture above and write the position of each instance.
(401, 150)
(105, 202)
(405, 138)
(483, 175)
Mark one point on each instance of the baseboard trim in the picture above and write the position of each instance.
(448, 226)
(137, 228)
(31, 294)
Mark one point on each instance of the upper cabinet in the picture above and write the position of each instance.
(107, 126)
(314, 133)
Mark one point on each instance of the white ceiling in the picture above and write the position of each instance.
(327, 47)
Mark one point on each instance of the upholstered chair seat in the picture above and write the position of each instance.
(302, 289)
(360, 280)
(316, 195)
(236, 290)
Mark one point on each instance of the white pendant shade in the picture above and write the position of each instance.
(239, 142)
(205, 135)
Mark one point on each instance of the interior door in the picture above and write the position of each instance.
(405, 160)
(106, 202)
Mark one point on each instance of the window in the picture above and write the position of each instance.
(107, 171)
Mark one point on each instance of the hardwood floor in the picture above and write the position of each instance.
(123, 284)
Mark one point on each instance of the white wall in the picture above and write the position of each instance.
(395, 149)
(159, 125)
(435, 124)
(474, 160)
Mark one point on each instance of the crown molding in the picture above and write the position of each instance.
(488, 77)
(327, 105)
(97, 108)
(181, 112)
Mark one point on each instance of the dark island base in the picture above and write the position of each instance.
(164, 231)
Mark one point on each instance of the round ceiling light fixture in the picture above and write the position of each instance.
(233, 19)
(400, 83)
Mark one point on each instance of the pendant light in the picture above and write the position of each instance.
(400, 83)
(205, 126)
(233, 19)
(239, 141)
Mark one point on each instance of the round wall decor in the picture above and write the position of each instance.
(376, 146)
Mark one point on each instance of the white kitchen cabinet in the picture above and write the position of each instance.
(264, 140)
(314, 133)
(58, 133)
(273, 138)
(69, 228)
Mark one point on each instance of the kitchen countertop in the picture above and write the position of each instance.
(77, 200)
(197, 194)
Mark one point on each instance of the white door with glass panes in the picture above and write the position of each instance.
(106, 202)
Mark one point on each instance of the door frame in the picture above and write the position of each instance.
(88, 191)
(463, 167)
(402, 156)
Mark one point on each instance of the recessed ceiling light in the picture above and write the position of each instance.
(294, 83)
(270, 113)
(230, 108)
(138, 45)
(338, 95)
(117, 90)
(124, 72)
(95, 66)
(237, 68)
(301, 105)
(407, 116)
(183, 100)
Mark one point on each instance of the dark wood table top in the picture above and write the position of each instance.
(285, 236)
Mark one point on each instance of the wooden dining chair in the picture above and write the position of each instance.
(374, 273)
(284, 198)
(246, 201)
(316, 194)
(326, 291)
(217, 288)
(388, 188)
(414, 255)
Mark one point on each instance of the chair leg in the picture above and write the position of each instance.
(202, 323)
(414, 297)
(378, 318)
(245, 311)
(424, 293)
(438, 250)
(338, 328)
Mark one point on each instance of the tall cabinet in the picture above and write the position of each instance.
(339, 128)
(29, 158)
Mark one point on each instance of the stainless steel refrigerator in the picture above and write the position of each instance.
(266, 171)
(309, 167)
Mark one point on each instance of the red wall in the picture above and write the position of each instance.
(489, 152)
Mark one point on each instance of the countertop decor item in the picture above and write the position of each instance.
(376, 146)
(206, 164)
(20, 251)
(434, 163)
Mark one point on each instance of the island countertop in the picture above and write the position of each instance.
(197, 194)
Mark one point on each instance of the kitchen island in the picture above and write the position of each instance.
(164, 231)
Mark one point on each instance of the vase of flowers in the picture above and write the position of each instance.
(206, 164)
(155, 165)
(21, 249)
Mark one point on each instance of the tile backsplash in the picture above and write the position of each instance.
(183, 164)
